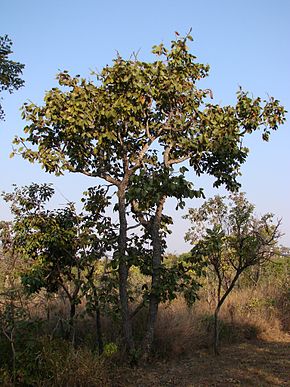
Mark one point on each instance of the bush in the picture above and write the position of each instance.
(45, 362)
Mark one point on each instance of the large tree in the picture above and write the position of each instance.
(10, 71)
(130, 128)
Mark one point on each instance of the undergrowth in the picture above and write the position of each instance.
(33, 351)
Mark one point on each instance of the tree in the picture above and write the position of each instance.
(10, 71)
(230, 238)
(62, 249)
(131, 128)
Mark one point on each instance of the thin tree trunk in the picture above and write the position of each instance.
(47, 307)
(123, 272)
(216, 331)
(72, 312)
(216, 313)
(71, 332)
(99, 335)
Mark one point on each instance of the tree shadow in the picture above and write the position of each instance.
(252, 363)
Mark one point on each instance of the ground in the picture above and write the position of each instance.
(254, 363)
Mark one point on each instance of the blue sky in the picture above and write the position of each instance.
(245, 42)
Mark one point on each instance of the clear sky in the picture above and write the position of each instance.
(245, 42)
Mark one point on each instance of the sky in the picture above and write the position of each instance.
(246, 43)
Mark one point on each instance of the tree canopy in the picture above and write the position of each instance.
(10, 71)
(99, 128)
(230, 238)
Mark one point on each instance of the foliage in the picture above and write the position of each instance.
(13, 309)
(184, 277)
(63, 249)
(230, 239)
(134, 104)
(45, 362)
(10, 71)
(231, 236)
(46, 238)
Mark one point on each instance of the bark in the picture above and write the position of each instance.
(221, 300)
(71, 330)
(124, 271)
(72, 312)
(155, 281)
(99, 336)
(216, 331)
(72, 297)
(257, 274)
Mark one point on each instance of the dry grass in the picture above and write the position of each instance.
(254, 364)
(77, 368)
(254, 344)
(250, 313)
(255, 347)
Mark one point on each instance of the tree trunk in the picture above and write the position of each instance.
(216, 313)
(99, 336)
(72, 312)
(71, 331)
(216, 331)
(257, 273)
(155, 281)
(152, 317)
(123, 272)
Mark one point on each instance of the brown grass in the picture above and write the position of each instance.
(255, 348)
(80, 368)
(254, 344)
(253, 363)
(250, 313)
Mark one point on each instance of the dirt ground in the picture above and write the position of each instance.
(254, 363)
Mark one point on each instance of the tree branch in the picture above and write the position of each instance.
(132, 227)
(134, 205)
(178, 161)
(166, 155)
(142, 154)
(137, 309)
(104, 176)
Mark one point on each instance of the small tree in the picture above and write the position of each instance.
(61, 247)
(99, 284)
(10, 71)
(230, 238)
